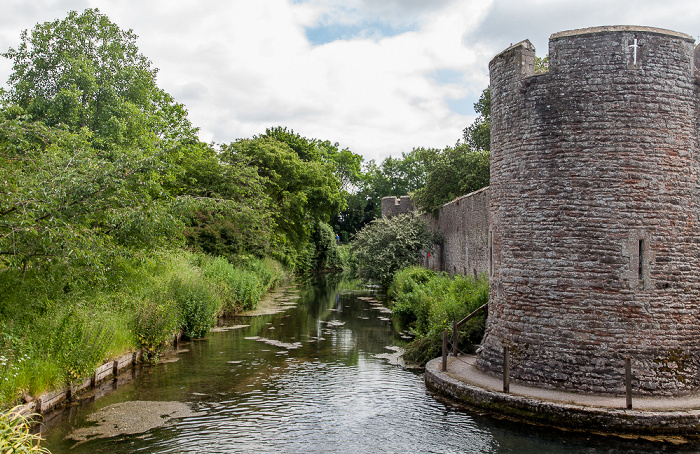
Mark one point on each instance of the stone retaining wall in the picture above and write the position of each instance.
(562, 415)
(50, 400)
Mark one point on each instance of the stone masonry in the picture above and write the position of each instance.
(464, 225)
(595, 237)
(392, 206)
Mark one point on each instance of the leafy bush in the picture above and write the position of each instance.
(429, 302)
(15, 436)
(197, 305)
(407, 279)
(326, 255)
(77, 344)
(154, 325)
(237, 288)
(387, 245)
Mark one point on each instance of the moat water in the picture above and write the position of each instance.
(318, 377)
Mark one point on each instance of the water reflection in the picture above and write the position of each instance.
(307, 380)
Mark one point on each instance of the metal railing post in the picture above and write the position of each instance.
(628, 382)
(454, 337)
(444, 350)
(506, 369)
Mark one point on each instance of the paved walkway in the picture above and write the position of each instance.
(462, 368)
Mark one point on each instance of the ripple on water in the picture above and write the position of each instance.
(330, 407)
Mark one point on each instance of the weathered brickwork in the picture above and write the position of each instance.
(392, 206)
(464, 226)
(595, 239)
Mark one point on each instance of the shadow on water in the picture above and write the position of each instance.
(309, 380)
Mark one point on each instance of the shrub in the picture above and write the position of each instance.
(428, 303)
(407, 279)
(387, 245)
(154, 325)
(324, 250)
(15, 436)
(77, 344)
(196, 303)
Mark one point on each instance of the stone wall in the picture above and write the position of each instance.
(594, 212)
(391, 206)
(464, 225)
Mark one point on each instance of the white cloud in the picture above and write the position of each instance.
(241, 66)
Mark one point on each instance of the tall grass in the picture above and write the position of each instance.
(15, 435)
(54, 329)
(428, 302)
(241, 284)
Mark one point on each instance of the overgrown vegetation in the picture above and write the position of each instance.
(74, 324)
(451, 172)
(119, 227)
(15, 435)
(387, 245)
(427, 303)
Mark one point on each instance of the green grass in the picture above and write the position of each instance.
(15, 435)
(55, 329)
(427, 303)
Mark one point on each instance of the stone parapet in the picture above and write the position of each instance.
(392, 206)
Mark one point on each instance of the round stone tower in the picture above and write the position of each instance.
(595, 240)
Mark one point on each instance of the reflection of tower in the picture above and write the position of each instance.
(594, 212)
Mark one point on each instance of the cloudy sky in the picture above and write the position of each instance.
(378, 76)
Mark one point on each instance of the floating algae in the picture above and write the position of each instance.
(127, 418)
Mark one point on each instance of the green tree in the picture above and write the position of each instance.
(64, 200)
(541, 64)
(85, 72)
(478, 134)
(91, 148)
(232, 214)
(396, 176)
(452, 172)
(387, 245)
(348, 165)
(301, 192)
(392, 177)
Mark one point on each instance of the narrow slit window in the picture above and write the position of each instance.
(640, 269)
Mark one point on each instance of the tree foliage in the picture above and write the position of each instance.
(387, 245)
(233, 213)
(478, 134)
(63, 199)
(97, 161)
(452, 172)
(391, 177)
(85, 72)
(301, 192)
(541, 64)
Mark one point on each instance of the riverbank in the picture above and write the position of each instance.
(675, 420)
(121, 368)
(56, 330)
